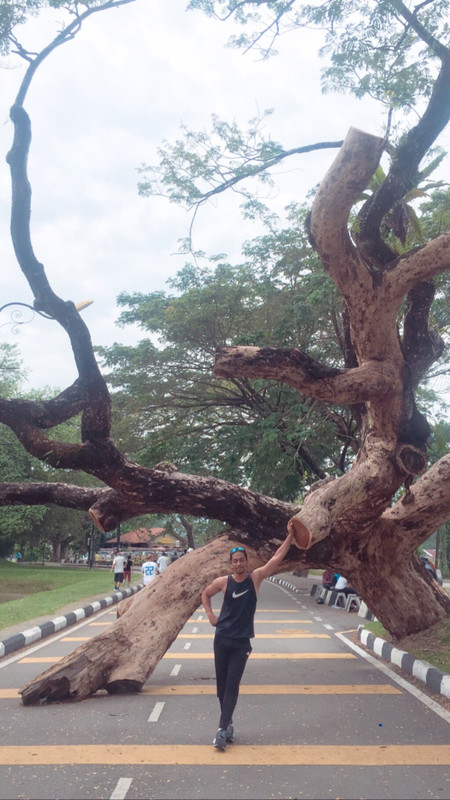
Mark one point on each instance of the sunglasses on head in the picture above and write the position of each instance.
(235, 549)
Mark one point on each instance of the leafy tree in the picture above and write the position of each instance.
(355, 522)
(17, 523)
(257, 433)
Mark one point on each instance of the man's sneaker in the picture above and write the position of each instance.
(220, 742)
(230, 733)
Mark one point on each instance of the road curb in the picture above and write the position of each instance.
(27, 637)
(435, 680)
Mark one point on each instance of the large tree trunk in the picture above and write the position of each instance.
(121, 658)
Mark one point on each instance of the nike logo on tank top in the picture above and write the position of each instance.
(238, 610)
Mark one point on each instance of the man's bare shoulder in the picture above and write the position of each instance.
(218, 584)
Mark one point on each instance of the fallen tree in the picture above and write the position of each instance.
(367, 523)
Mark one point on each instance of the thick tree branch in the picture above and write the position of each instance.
(370, 380)
(427, 509)
(348, 175)
(60, 494)
(418, 265)
(421, 345)
(46, 413)
(97, 415)
(164, 489)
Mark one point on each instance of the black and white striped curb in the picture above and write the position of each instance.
(282, 582)
(19, 640)
(436, 680)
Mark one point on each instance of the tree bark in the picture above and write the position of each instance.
(121, 659)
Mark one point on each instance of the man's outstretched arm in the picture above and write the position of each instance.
(273, 564)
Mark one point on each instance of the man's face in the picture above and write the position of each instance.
(239, 562)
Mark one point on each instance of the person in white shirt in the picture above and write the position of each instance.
(117, 567)
(342, 585)
(149, 570)
(163, 562)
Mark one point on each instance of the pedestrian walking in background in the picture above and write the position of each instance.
(163, 562)
(128, 569)
(117, 567)
(149, 570)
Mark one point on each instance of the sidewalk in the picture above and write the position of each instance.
(435, 680)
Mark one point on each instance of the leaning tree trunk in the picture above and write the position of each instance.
(121, 658)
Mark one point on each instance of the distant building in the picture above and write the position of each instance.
(145, 539)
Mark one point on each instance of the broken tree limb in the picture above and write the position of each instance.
(348, 175)
(291, 366)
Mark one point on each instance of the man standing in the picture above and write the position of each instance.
(149, 570)
(128, 569)
(117, 566)
(163, 562)
(234, 628)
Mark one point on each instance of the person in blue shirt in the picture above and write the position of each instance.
(234, 628)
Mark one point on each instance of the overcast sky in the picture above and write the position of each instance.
(100, 106)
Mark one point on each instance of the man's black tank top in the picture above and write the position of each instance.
(238, 610)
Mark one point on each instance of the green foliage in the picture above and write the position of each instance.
(15, 463)
(201, 164)
(169, 405)
(28, 526)
(380, 48)
(11, 370)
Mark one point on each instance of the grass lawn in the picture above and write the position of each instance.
(48, 589)
(432, 645)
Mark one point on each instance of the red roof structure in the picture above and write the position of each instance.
(141, 537)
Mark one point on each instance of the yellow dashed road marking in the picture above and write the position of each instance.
(76, 638)
(274, 688)
(291, 656)
(271, 688)
(279, 755)
(100, 624)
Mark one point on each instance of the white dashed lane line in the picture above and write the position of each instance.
(121, 789)
(154, 716)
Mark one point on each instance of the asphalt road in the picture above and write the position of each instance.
(316, 718)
